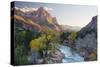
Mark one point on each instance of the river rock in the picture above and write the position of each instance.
(54, 57)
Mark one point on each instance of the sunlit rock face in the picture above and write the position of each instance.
(36, 19)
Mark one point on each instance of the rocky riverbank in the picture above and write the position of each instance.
(52, 57)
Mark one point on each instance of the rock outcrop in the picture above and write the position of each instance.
(36, 20)
(86, 43)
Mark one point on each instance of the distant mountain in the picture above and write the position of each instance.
(67, 28)
(35, 20)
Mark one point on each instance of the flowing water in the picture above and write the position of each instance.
(69, 55)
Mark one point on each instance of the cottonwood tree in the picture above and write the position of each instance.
(47, 40)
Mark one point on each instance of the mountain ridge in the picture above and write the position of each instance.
(38, 18)
(68, 28)
(89, 28)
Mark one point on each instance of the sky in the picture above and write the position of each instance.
(66, 14)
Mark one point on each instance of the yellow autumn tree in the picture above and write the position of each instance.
(47, 39)
(37, 44)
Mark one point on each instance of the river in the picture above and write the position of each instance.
(69, 55)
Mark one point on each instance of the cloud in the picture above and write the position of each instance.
(48, 9)
(27, 9)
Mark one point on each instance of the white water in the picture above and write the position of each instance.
(69, 56)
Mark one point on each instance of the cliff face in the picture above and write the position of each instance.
(90, 28)
(86, 43)
(36, 20)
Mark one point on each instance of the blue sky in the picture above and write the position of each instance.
(66, 14)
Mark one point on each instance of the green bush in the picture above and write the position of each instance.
(20, 56)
